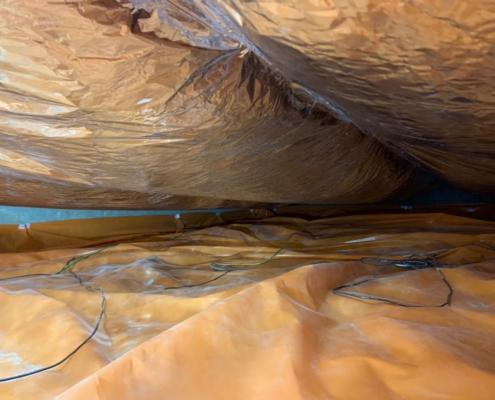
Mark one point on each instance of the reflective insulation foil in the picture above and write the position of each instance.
(107, 104)
(415, 74)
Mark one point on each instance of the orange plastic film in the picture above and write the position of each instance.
(284, 306)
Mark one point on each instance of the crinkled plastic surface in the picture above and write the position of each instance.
(416, 74)
(96, 107)
(362, 306)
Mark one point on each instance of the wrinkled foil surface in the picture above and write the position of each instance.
(164, 103)
(96, 110)
(416, 74)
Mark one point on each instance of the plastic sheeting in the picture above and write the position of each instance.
(351, 307)
(94, 109)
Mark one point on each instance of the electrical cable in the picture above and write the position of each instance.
(362, 296)
(79, 346)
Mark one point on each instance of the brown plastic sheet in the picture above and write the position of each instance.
(264, 312)
(416, 74)
(98, 112)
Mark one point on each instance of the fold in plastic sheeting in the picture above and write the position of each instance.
(96, 112)
(351, 307)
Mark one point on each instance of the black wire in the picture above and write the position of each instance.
(196, 284)
(362, 296)
(410, 263)
(233, 267)
(86, 340)
(74, 260)
(12, 278)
